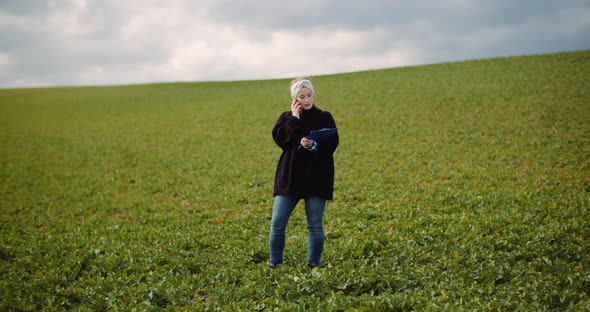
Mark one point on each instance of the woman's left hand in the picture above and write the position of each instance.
(306, 142)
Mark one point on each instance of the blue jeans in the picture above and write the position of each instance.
(281, 211)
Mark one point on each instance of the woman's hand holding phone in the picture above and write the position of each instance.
(296, 108)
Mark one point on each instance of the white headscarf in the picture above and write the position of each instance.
(296, 87)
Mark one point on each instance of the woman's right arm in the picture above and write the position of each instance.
(287, 130)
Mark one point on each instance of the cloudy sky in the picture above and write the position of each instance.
(105, 42)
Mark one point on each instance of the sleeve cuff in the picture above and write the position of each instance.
(313, 147)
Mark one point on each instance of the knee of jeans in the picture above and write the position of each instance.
(315, 223)
(315, 228)
(278, 226)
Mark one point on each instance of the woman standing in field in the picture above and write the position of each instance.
(305, 171)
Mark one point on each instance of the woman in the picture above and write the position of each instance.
(305, 171)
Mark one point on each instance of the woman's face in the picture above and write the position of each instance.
(305, 97)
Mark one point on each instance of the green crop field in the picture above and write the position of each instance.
(459, 186)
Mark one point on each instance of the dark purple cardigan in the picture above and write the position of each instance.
(301, 172)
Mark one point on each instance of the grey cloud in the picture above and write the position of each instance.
(439, 25)
(57, 44)
(67, 42)
(456, 15)
(23, 8)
